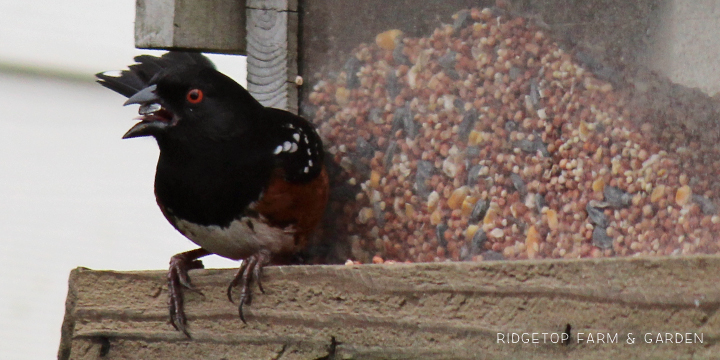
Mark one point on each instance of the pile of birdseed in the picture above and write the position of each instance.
(487, 141)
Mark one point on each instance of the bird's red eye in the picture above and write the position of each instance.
(194, 96)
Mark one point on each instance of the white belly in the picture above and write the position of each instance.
(244, 237)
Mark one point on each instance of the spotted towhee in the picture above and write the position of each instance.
(240, 180)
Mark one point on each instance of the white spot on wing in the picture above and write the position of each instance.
(306, 170)
(296, 136)
(113, 73)
(286, 146)
(309, 152)
(278, 149)
(294, 148)
(310, 163)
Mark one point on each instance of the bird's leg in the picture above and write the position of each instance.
(178, 279)
(249, 271)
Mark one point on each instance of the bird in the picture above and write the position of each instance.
(240, 180)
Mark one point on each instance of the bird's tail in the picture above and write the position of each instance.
(128, 82)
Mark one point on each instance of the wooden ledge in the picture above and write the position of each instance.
(434, 310)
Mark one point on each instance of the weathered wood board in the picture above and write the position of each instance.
(210, 25)
(436, 310)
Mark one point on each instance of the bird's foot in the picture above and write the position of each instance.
(249, 271)
(178, 279)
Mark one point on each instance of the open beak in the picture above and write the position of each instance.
(155, 118)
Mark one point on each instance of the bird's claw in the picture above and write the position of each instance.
(250, 271)
(178, 279)
(184, 279)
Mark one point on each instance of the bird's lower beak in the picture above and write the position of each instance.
(154, 120)
(146, 128)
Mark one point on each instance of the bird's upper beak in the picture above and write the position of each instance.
(155, 118)
(144, 96)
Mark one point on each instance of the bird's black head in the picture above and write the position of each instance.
(192, 101)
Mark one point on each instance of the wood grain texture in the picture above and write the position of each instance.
(416, 311)
(154, 23)
(211, 25)
(279, 5)
(272, 46)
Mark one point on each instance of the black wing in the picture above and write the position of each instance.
(297, 147)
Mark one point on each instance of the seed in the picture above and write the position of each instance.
(518, 209)
(364, 215)
(409, 210)
(532, 242)
(601, 239)
(468, 205)
(474, 138)
(647, 210)
(449, 168)
(388, 40)
(490, 216)
(542, 114)
(616, 197)
(552, 219)
(342, 96)
(657, 193)
(583, 130)
(598, 185)
(436, 217)
(479, 210)
(433, 199)
(471, 230)
(683, 179)
(497, 233)
(486, 14)
(458, 196)
(374, 179)
(509, 252)
(683, 195)
(598, 155)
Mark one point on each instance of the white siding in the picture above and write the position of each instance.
(72, 193)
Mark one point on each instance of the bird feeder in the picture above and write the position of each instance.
(515, 179)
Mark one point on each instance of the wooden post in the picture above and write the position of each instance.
(272, 47)
(415, 311)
